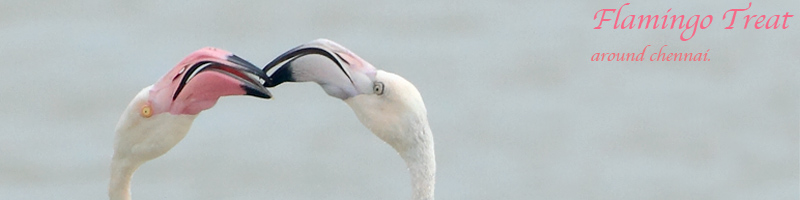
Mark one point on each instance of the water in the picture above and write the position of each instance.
(517, 109)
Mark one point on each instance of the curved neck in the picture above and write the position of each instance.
(120, 186)
(421, 162)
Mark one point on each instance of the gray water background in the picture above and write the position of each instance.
(517, 109)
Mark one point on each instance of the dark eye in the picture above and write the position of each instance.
(378, 88)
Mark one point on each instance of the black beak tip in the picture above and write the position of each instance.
(249, 66)
(283, 74)
(257, 92)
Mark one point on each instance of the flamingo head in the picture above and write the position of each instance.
(381, 99)
(387, 104)
(160, 115)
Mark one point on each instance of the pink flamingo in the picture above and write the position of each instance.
(160, 115)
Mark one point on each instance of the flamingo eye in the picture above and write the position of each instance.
(378, 88)
(146, 111)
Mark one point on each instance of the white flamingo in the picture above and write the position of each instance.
(387, 104)
(160, 115)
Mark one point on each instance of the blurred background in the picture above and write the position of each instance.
(517, 108)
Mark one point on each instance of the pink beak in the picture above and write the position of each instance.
(204, 76)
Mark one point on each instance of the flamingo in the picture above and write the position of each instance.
(387, 104)
(160, 115)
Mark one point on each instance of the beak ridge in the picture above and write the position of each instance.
(283, 73)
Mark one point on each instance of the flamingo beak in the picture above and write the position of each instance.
(284, 72)
(341, 73)
(248, 75)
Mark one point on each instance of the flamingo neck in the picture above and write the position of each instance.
(120, 186)
(421, 162)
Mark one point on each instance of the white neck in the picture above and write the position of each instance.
(121, 172)
(400, 120)
(421, 162)
(140, 139)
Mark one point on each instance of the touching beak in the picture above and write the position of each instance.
(340, 72)
(245, 73)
